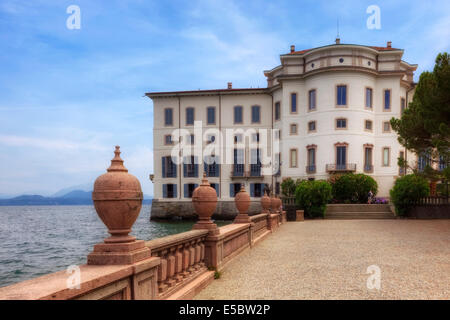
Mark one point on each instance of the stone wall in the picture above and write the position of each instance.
(225, 210)
(430, 212)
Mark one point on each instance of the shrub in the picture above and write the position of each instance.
(313, 196)
(407, 190)
(353, 188)
(288, 187)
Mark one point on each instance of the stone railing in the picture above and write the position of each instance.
(172, 267)
(182, 259)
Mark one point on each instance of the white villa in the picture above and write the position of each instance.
(331, 105)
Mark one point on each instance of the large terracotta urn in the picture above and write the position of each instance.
(273, 204)
(265, 203)
(242, 202)
(204, 200)
(117, 199)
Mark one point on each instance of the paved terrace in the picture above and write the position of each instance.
(328, 259)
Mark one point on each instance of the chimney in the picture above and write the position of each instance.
(230, 85)
(292, 48)
(338, 40)
(389, 44)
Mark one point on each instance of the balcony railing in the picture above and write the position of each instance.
(347, 167)
(401, 171)
(311, 168)
(238, 170)
(368, 168)
(255, 170)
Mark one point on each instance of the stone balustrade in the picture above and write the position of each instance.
(172, 267)
(182, 259)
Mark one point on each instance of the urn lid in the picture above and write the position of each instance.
(117, 183)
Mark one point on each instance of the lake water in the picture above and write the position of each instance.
(36, 240)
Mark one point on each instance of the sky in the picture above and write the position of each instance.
(68, 96)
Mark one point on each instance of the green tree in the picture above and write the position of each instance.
(407, 191)
(424, 127)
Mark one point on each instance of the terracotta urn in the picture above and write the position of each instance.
(279, 204)
(273, 204)
(117, 197)
(265, 203)
(242, 202)
(204, 200)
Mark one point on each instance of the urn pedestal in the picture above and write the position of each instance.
(117, 199)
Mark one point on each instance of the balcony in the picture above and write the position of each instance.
(311, 168)
(368, 168)
(347, 167)
(239, 171)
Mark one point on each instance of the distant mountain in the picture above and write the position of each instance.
(74, 197)
(82, 187)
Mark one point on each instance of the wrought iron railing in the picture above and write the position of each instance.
(334, 167)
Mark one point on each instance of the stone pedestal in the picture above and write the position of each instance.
(119, 253)
(299, 215)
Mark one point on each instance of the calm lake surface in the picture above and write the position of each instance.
(36, 240)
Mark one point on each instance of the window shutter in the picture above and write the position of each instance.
(163, 167)
(252, 189)
(231, 190)
(164, 190)
(186, 190)
(196, 167)
(216, 186)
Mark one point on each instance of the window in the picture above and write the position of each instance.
(387, 99)
(369, 98)
(238, 117)
(168, 139)
(189, 116)
(402, 105)
(255, 137)
(386, 126)
(211, 115)
(211, 166)
(442, 163)
(234, 188)
(423, 161)
(341, 123)
(312, 99)
(255, 162)
(341, 95)
(168, 167)
(368, 125)
(256, 114)
(293, 158)
(311, 126)
(293, 129)
(189, 189)
(238, 162)
(386, 156)
(293, 103)
(257, 189)
(169, 190)
(368, 167)
(311, 160)
(191, 139)
(277, 164)
(277, 111)
(168, 117)
(277, 134)
(216, 187)
(190, 167)
(401, 170)
(341, 157)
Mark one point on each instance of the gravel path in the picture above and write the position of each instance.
(328, 259)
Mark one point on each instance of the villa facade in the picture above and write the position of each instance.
(325, 110)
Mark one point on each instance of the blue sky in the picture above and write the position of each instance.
(68, 96)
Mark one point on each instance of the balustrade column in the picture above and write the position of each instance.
(162, 274)
(186, 270)
(170, 258)
(179, 263)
